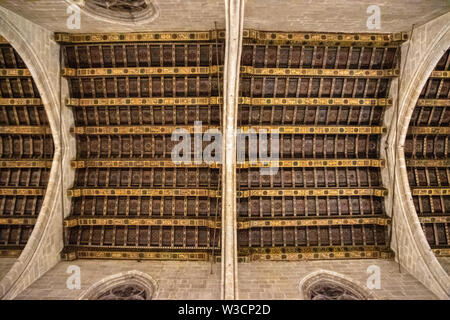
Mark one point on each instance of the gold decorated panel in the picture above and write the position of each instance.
(73, 102)
(22, 192)
(25, 130)
(20, 102)
(429, 130)
(138, 37)
(312, 222)
(430, 191)
(17, 221)
(315, 253)
(433, 102)
(15, 73)
(317, 101)
(134, 255)
(115, 130)
(73, 222)
(145, 192)
(378, 192)
(428, 162)
(386, 73)
(316, 129)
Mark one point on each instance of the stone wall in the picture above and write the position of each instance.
(174, 15)
(280, 279)
(282, 15)
(419, 56)
(41, 54)
(257, 280)
(174, 279)
(339, 16)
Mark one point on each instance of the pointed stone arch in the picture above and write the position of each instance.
(145, 13)
(330, 285)
(132, 285)
(426, 46)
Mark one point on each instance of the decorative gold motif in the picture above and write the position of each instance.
(145, 192)
(428, 162)
(304, 192)
(73, 222)
(110, 72)
(386, 73)
(17, 221)
(136, 129)
(434, 219)
(245, 70)
(20, 102)
(433, 102)
(25, 130)
(442, 252)
(72, 102)
(118, 163)
(429, 130)
(342, 39)
(117, 130)
(315, 253)
(316, 101)
(381, 221)
(10, 253)
(25, 163)
(15, 73)
(335, 39)
(79, 253)
(430, 191)
(311, 163)
(138, 37)
(440, 74)
(21, 192)
(317, 129)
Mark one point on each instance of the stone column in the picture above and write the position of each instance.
(234, 13)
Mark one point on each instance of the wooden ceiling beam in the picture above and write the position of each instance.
(28, 130)
(14, 220)
(315, 253)
(428, 163)
(433, 102)
(20, 102)
(297, 163)
(305, 192)
(22, 191)
(143, 192)
(433, 191)
(73, 102)
(245, 70)
(15, 73)
(429, 130)
(251, 36)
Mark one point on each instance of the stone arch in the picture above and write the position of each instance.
(136, 280)
(148, 15)
(42, 249)
(415, 253)
(340, 284)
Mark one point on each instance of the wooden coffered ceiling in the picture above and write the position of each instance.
(427, 150)
(128, 92)
(327, 202)
(26, 152)
(325, 93)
